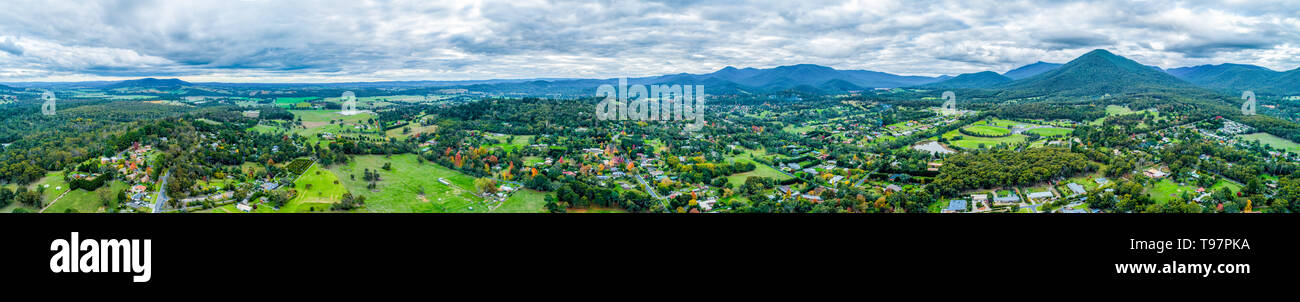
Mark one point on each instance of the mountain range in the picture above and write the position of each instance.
(1241, 77)
(983, 79)
(1096, 72)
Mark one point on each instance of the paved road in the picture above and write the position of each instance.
(162, 193)
(652, 192)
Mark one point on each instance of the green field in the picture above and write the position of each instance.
(1272, 140)
(54, 186)
(398, 190)
(289, 101)
(505, 143)
(760, 170)
(987, 130)
(325, 116)
(999, 123)
(524, 201)
(1112, 110)
(1162, 190)
(326, 190)
(1047, 132)
(799, 130)
(971, 142)
(318, 121)
(86, 201)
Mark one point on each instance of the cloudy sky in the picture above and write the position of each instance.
(332, 41)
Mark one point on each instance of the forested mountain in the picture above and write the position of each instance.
(983, 79)
(1097, 73)
(1031, 70)
(1228, 77)
(1287, 83)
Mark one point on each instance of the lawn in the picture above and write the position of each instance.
(524, 201)
(308, 116)
(53, 184)
(504, 142)
(86, 201)
(988, 130)
(398, 190)
(760, 170)
(288, 101)
(799, 130)
(326, 190)
(1272, 140)
(318, 121)
(1049, 132)
(1112, 110)
(1166, 190)
(971, 142)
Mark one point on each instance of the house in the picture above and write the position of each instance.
(1154, 173)
(1101, 181)
(138, 189)
(893, 188)
(1038, 196)
(707, 204)
(956, 205)
(1009, 199)
(979, 198)
(836, 179)
(244, 207)
(1076, 188)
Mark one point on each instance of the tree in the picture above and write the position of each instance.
(485, 185)
(6, 197)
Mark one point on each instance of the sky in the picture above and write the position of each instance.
(346, 41)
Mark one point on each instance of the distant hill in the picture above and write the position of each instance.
(1095, 73)
(984, 79)
(1228, 77)
(802, 78)
(839, 86)
(1031, 70)
(785, 77)
(151, 83)
(1287, 83)
(1235, 78)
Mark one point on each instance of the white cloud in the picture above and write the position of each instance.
(337, 40)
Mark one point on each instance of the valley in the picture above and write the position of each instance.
(1099, 134)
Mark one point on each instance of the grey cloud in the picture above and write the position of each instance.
(8, 45)
(448, 40)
